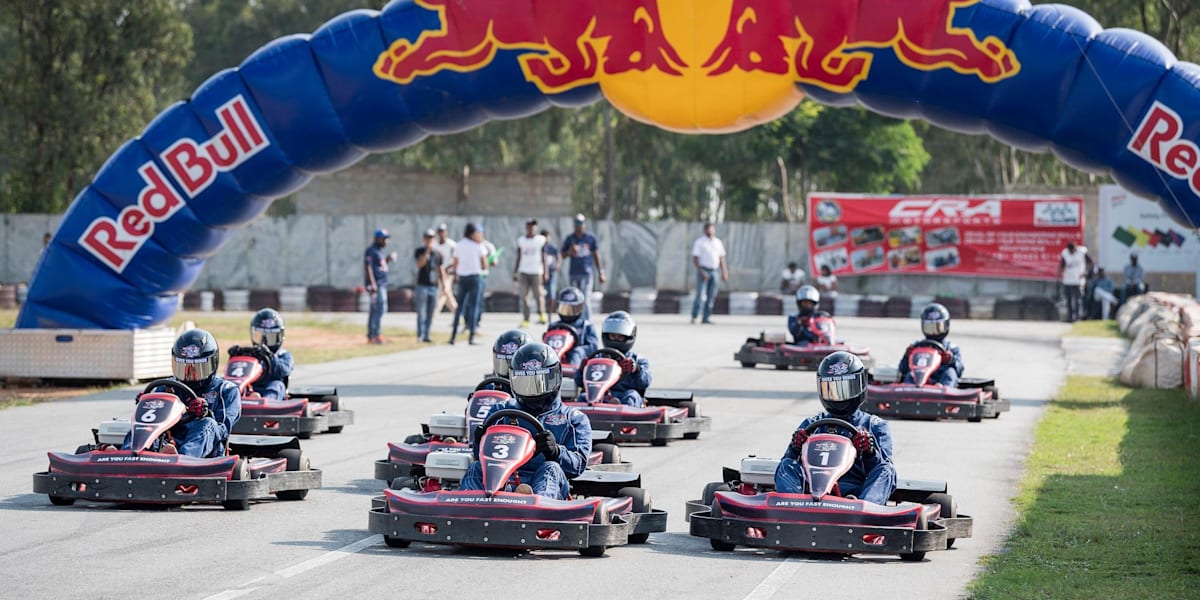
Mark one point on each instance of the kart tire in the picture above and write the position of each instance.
(641, 505)
(415, 438)
(396, 542)
(975, 419)
(241, 472)
(296, 461)
(719, 545)
(61, 501)
(335, 405)
(658, 442)
(922, 524)
(405, 483)
(84, 449)
(949, 509)
(748, 365)
(600, 518)
(610, 454)
(711, 489)
(781, 367)
(307, 412)
(692, 411)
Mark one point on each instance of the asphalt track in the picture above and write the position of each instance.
(320, 548)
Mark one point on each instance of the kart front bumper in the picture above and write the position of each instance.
(167, 490)
(506, 533)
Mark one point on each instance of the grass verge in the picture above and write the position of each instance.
(1109, 501)
(1095, 329)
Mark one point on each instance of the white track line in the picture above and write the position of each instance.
(774, 581)
(299, 568)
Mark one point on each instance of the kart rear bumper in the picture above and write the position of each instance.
(804, 356)
(167, 490)
(647, 432)
(905, 403)
(272, 425)
(849, 539)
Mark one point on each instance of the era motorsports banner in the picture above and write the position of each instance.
(1017, 237)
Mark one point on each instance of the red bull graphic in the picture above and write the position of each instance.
(1159, 141)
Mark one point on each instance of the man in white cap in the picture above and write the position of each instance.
(581, 248)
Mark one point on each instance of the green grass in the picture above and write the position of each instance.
(7, 318)
(1109, 504)
(1095, 329)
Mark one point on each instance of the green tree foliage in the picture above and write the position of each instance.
(79, 77)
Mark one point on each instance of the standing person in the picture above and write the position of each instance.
(827, 285)
(581, 248)
(445, 247)
(551, 252)
(792, 279)
(1135, 278)
(530, 271)
(429, 281)
(375, 276)
(469, 264)
(1072, 264)
(708, 255)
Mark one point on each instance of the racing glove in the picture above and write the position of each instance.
(628, 366)
(863, 442)
(798, 440)
(197, 407)
(547, 445)
(234, 350)
(947, 357)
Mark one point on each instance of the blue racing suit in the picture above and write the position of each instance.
(798, 326)
(273, 384)
(572, 431)
(946, 375)
(630, 389)
(872, 478)
(205, 438)
(589, 341)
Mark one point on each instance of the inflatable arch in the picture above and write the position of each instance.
(1045, 77)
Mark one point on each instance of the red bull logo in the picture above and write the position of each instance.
(1159, 141)
(685, 65)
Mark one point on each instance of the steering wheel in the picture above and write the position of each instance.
(257, 351)
(507, 413)
(612, 353)
(928, 343)
(841, 427)
(180, 391)
(565, 327)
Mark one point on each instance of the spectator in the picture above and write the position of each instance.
(793, 279)
(491, 256)
(469, 264)
(551, 252)
(1102, 291)
(581, 248)
(827, 284)
(445, 247)
(530, 271)
(429, 281)
(1135, 278)
(1073, 263)
(708, 255)
(375, 275)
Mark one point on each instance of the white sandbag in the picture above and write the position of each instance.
(1129, 311)
(1159, 364)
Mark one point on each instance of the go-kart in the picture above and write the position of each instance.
(152, 472)
(972, 400)
(772, 348)
(425, 462)
(667, 415)
(562, 338)
(744, 510)
(605, 508)
(306, 410)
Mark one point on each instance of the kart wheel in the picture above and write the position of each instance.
(692, 411)
(922, 524)
(975, 419)
(719, 545)
(304, 414)
(641, 505)
(61, 501)
(241, 472)
(949, 509)
(748, 365)
(335, 404)
(296, 461)
(658, 442)
(711, 489)
(610, 454)
(406, 483)
(396, 542)
(84, 449)
(781, 367)
(415, 438)
(600, 518)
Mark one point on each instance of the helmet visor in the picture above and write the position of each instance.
(535, 382)
(570, 309)
(935, 327)
(193, 369)
(839, 388)
(271, 338)
(500, 364)
(618, 341)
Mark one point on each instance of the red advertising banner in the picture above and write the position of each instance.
(994, 236)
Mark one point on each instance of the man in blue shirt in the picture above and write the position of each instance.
(581, 248)
(375, 274)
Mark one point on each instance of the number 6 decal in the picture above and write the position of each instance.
(149, 416)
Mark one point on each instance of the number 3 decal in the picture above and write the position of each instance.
(500, 451)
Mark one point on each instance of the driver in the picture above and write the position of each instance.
(266, 329)
(571, 305)
(502, 352)
(807, 300)
(619, 332)
(842, 387)
(563, 449)
(217, 406)
(935, 324)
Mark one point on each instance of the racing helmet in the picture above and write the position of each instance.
(266, 328)
(571, 303)
(195, 358)
(804, 295)
(619, 331)
(841, 384)
(935, 321)
(535, 377)
(505, 347)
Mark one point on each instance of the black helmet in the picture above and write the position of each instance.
(505, 347)
(807, 293)
(571, 303)
(266, 328)
(618, 331)
(841, 384)
(536, 376)
(935, 321)
(195, 359)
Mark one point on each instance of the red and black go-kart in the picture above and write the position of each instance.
(306, 411)
(744, 509)
(437, 457)
(605, 508)
(667, 415)
(972, 400)
(255, 467)
(772, 348)
(562, 338)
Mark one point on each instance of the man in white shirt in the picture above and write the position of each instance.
(445, 247)
(791, 280)
(1073, 264)
(530, 272)
(708, 255)
(470, 262)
